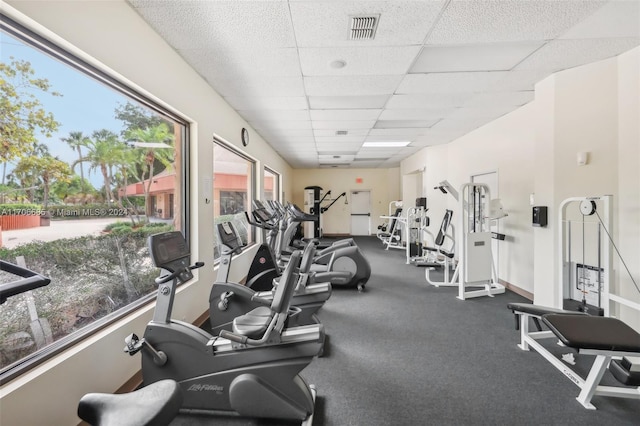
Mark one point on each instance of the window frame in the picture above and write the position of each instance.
(253, 179)
(277, 182)
(101, 76)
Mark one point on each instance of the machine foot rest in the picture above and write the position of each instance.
(621, 371)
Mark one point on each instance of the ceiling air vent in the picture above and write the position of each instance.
(341, 132)
(363, 27)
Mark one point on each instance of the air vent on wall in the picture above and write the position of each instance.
(363, 27)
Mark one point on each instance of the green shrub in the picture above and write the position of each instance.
(91, 277)
(118, 224)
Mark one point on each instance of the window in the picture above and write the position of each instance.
(89, 169)
(233, 189)
(271, 185)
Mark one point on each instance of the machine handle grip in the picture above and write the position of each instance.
(261, 300)
(30, 281)
(166, 278)
(233, 337)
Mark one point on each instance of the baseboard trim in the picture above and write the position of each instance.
(517, 290)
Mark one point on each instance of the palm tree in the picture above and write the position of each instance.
(147, 139)
(103, 153)
(76, 141)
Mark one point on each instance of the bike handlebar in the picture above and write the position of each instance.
(30, 280)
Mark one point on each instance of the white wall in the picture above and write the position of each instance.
(111, 35)
(593, 108)
(628, 229)
(506, 146)
(384, 185)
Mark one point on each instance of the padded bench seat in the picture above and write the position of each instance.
(589, 332)
(605, 338)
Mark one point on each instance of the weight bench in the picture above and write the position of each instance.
(605, 338)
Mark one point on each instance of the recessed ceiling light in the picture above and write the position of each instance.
(338, 63)
(384, 144)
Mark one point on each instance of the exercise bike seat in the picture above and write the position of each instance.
(156, 404)
(253, 323)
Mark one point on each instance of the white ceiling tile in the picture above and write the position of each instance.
(339, 125)
(283, 133)
(339, 146)
(557, 55)
(500, 98)
(618, 19)
(490, 112)
(348, 102)
(455, 82)
(345, 114)
(261, 86)
(431, 100)
(473, 57)
(415, 114)
(388, 60)
(340, 139)
(376, 153)
(327, 23)
(252, 62)
(393, 138)
(267, 103)
(518, 81)
(270, 60)
(280, 124)
(337, 158)
(398, 133)
(274, 115)
(293, 149)
(461, 125)
(332, 132)
(225, 24)
(365, 164)
(351, 85)
(392, 124)
(489, 21)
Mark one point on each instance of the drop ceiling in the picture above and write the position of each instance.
(433, 71)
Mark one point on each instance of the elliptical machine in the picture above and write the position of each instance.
(252, 371)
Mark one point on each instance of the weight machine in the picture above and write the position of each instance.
(475, 268)
(313, 200)
(396, 222)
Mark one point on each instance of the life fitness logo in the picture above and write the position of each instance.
(262, 260)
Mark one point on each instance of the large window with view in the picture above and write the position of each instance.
(271, 185)
(89, 169)
(233, 189)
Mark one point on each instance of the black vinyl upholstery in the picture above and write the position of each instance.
(156, 404)
(591, 332)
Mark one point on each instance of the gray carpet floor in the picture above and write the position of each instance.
(406, 353)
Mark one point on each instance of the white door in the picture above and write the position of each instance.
(491, 180)
(360, 212)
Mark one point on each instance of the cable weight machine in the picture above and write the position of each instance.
(313, 200)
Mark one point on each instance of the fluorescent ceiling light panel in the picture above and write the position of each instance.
(390, 144)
